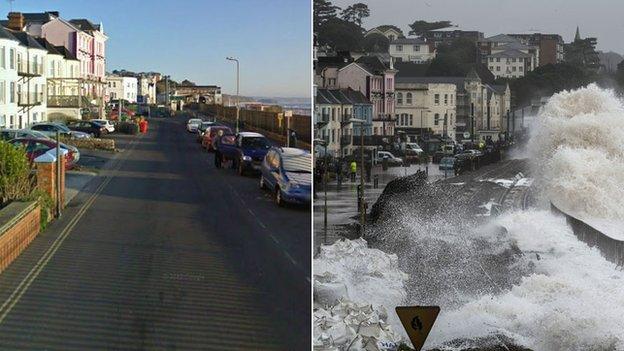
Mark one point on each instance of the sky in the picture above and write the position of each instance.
(595, 18)
(190, 39)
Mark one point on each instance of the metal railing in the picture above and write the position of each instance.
(63, 101)
(29, 68)
(29, 99)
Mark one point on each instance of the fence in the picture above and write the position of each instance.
(267, 121)
(611, 249)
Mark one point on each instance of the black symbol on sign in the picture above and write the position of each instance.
(417, 324)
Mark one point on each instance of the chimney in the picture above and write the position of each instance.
(16, 21)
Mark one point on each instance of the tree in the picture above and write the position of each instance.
(453, 59)
(340, 35)
(355, 13)
(462, 49)
(419, 27)
(323, 11)
(582, 53)
(187, 82)
(376, 42)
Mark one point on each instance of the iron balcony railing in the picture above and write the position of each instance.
(63, 101)
(29, 68)
(29, 99)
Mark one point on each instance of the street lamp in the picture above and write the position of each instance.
(237, 86)
(324, 144)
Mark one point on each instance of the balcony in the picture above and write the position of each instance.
(29, 69)
(67, 101)
(29, 99)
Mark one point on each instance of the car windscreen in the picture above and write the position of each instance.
(298, 163)
(255, 143)
(63, 128)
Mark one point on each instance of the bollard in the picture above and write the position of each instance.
(384, 164)
(376, 181)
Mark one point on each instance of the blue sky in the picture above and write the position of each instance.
(191, 38)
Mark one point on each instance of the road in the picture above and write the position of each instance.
(163, 251)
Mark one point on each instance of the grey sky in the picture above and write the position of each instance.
(598, 18)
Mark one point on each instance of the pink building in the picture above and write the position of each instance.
(82, 38)
(371, 76)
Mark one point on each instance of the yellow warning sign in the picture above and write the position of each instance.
(417, 321)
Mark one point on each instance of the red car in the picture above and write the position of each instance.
(210, 135)
(36, 147)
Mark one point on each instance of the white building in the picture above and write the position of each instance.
(411, 50)
(388, 31)
(425, 109)
(146, 89)
(122, 88)
(510, 64)
(8, 79)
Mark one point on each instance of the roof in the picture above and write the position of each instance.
(40, 16)
(452, 29)
(500, 38)
(411, 69)
(6, 34)
(513, 45)
(510, 53)
(27, 40)
(459, 81)
(408, 41)
(499, 88)
(84, 24)
(51, 48)
(386, 27)
(343, 96)
(65, 52)
(372, 64)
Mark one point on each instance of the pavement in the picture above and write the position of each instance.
(161, 251)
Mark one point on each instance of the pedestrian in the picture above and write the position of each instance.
(293, 139)
(217, 154)
(353, 170)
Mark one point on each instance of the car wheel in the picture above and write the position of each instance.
(262, 185)
(278, 198)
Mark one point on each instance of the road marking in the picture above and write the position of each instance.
(23, 286)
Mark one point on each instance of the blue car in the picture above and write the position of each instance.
(287, 173)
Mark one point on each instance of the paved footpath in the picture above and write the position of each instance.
(161, 251)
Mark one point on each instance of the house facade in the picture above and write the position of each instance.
(122, 88)
(411, 50)
(507, 56)
(425, 109)
(450, 34)
(146, 86)
(9, 78)
(388, 31)
(550, 46)
(375, 80)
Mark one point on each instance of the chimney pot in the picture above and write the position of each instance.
(16, 21)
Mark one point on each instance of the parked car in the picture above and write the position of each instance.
(392, 160)
(50, 128)
(110, 127)
(193, 124)
(287, 173)
(447, 164)
(247, 152)
(474, 153)
(201, 129)
(413, 152)
(93, 128)
(36, 147)
(9, 134)
(210, 135)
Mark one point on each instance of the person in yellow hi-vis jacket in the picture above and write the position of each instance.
(353, 170)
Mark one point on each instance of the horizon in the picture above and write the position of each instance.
(197, 48)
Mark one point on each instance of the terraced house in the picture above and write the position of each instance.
(84, 42)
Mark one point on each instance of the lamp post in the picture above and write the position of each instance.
(237, 86)
(361, 199)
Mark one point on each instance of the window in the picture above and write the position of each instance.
(436, 119)
(513, 68)
(451, 99)
(436, 99)
(12, 58)
(498, 59)
(12, 92)
(513, 59)
(416, 47)
(411, 120)
(497, 68)
(446, 99)
(3, 56)
(491, 59)
(409, 98)
(399, 48)
(400, 98)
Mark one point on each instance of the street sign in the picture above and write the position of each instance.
(466, 135)
(417, 321)
(280, 116)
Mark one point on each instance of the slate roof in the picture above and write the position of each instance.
(27, 40)
(6, 34)
(65, 52)
(340, 96)
(84, 24)
(372, 64)
(46, 44)
(500, 38)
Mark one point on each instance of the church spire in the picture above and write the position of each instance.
(577, 36)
